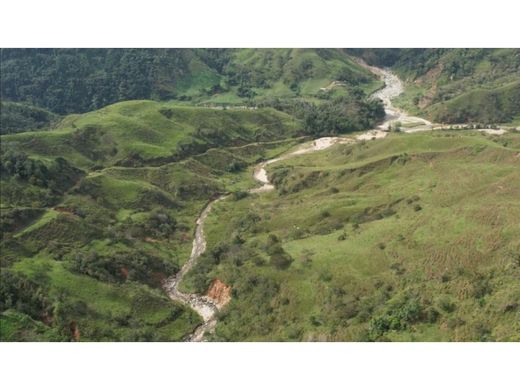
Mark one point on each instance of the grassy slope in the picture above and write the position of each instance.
(289, 73)
(103, 211)
(481, 105)
(461, 85)
(112, 313)
(138, 130)
(428, 220)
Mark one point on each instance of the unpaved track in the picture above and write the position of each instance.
(208, 308)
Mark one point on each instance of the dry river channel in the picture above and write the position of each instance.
(206, 307)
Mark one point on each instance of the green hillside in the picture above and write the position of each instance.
(414, 237)
(68, 81)
(146, 132)
(95, 214)
(456, 85)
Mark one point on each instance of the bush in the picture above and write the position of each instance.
(236, 166)
(22, 294)
(237, 195)
(324, 214)
(167, 112)
(279, 258)
(396, 126)
(396, 318)
(446, 304)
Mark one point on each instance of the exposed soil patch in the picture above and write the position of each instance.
(65, 210)
(124, 272)
(219, 292)
(74, 330)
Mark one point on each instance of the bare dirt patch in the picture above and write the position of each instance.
(219, 292)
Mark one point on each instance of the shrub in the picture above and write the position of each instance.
(278, 257)
(237, 195)
(325, 214)
(446, 304)
(397, 318)
(236, 166)
(167, 112)
(342, 236)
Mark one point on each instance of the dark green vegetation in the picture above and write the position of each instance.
(297, 81)
(18, 117)
(456, 85)
(414, 237)
(96, 213)
(98, 208)
(78, 80)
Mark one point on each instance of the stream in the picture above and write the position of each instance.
(206, 307)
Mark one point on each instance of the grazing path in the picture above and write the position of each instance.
(206, 307)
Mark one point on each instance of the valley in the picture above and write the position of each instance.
(202, 304)
(274, 195)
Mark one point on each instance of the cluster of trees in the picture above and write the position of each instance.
(18, 117)
(19, 293)
(21, 167)
(58, 175)
(78, 80)
(159, 224)
(120, 266)
(339, 115)
(278, 257)
(342, 115)
(11, 219)
(399, 317)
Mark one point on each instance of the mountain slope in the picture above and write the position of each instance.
(456, 85)
(78, 80)
(94, 215)
(410, 238)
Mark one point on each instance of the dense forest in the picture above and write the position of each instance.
(77, 80)
(18, 117)
(49, 83)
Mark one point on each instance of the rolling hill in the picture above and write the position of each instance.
(95, 214)
(410, 237)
